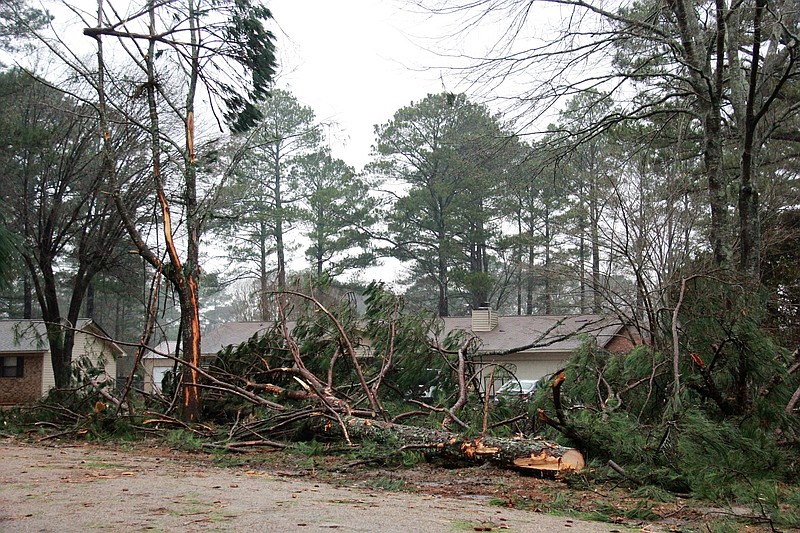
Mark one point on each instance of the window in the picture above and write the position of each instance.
(11, 367)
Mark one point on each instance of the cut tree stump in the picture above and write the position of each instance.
(525, 454)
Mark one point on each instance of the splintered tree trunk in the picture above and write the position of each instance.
(524, 454)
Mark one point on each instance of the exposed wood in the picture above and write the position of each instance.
(526, 454)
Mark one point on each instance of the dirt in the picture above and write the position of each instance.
(149, 487)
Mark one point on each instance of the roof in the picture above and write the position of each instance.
(230, 333)
(30, 335)
(553, 333)
(23, 336)
(217, 338)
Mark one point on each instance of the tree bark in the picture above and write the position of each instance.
(527, 454)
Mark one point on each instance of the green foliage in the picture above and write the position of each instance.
(728, 440)
(449, 151)
(7, 255)
(339, 205)
(403, 337)
(723, 526)
(411, 458)
(183, 439)
(718, 456)
(261, 200)
(77, 413)
(386, 483)
(17, 21)
(247, 44)
(721, 324)
(310, 448)
(386, 339)
(653, 493)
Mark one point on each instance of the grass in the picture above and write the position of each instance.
(723, 526)
(101, 464)
(386, 483)
(464, 525)
(524, 504)
(184, 440)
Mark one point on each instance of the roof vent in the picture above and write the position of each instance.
(484, 318)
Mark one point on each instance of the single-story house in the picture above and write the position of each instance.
(216, 338)
(211, 341)
(26, 370)
(554, 338)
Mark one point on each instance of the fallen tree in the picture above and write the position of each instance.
(522, 453)
(315, 377)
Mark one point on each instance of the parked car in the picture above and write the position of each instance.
(427, 389)
(521, 389)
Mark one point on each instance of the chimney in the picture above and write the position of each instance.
(484, 318)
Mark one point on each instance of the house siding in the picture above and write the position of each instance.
(48, 376)
(98, 352)
(149, 365)
(524, 366)
(25, 389)
(28, 338)
(93, 347)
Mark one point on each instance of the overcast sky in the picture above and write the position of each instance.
(355, 62)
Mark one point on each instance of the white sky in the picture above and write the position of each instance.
(355, 62)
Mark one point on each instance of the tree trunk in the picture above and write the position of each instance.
(263, 274)
(279, 225)
(27, 297)
(708, 85)
(190, 330)
(90, 300)
(594, 224)
(548, 284)
(529, 279)
(749, 221)
(510, 453)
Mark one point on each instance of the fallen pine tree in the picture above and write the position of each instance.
(312, 374)
(526, 454)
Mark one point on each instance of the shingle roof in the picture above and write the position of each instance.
(553, 333)
(217, 337)
(25, 335)
(230, 333)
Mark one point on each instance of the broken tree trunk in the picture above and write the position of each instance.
(526, 454)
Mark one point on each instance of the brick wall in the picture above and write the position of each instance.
(623, 342)
(26, 389)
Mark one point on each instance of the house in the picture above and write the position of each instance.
(26, 370)
(218, 337)
(554, 338)
(212, 341)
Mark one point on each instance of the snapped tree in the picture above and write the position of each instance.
(189, 54)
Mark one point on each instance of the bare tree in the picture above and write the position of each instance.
(53, 184)
(726, 65)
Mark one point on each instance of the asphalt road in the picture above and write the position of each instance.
(84, 488)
